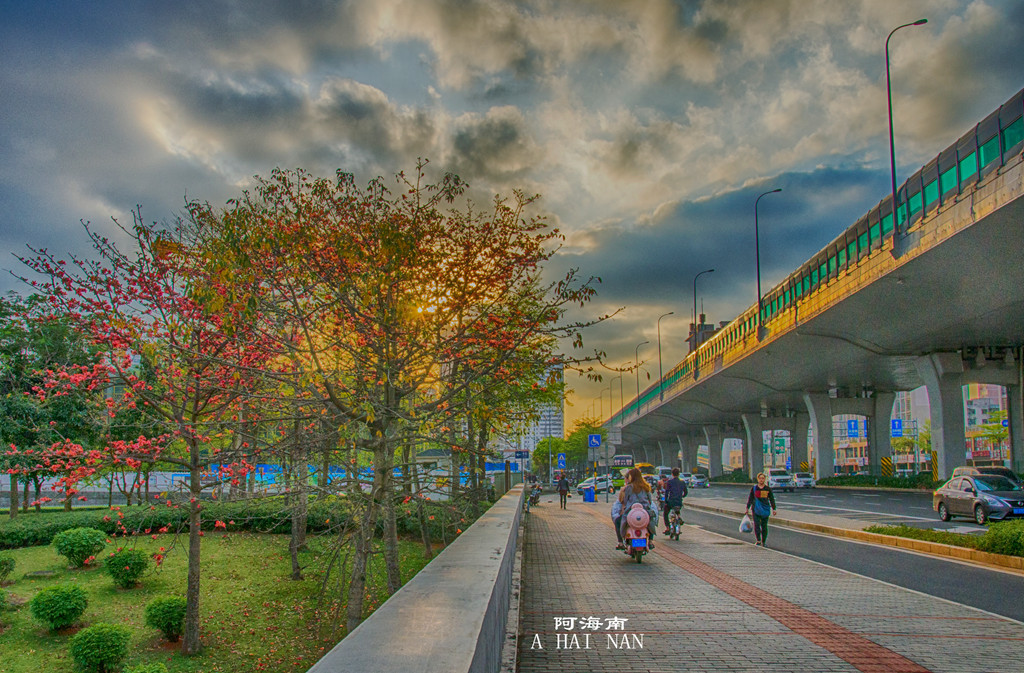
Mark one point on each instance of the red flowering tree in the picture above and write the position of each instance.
(160, 308)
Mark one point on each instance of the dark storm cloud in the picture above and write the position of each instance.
(496, 146)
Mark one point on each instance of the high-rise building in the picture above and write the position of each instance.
(551, 423)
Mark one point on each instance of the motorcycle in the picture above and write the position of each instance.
(675, 522)
(635, 537)
(535, 496)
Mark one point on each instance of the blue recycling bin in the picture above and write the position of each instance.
(588, 494)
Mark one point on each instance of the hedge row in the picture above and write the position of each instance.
(264, 515)
(1005, 537)
(922, 480)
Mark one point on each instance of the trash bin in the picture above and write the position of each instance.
(588, 494)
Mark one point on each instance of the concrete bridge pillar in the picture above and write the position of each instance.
(754, 444)
(1015, 414)
(880, 437)
(798, 441)
(943, 377)
(688, 447)
(713, 435)
(819, 406)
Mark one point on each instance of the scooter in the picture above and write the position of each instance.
(675, 522)
(535, 496)
(635, 538)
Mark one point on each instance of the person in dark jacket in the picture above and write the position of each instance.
(675, 491)
(563, 490)
(761, 504)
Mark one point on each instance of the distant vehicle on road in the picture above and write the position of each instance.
(687, 477)
(980, 497)
(965, 471)
(804, 480)
(699, 481)
(780, 480)
(664, 471)
(602, 485)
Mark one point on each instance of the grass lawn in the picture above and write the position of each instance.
(254, 618)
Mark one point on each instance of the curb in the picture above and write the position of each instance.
(975, 556)
(882, 489)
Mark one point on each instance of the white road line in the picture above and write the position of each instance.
(864, 511)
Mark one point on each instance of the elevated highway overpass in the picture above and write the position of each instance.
(937, 300)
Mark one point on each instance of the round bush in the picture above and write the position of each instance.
(147, 668)
(6, 566)
(78, 544)
(126, 566)
(59, 606)
(167, 613)
(100, 648)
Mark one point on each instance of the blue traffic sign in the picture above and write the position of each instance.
(897, 427)
(522, 454)
(852, 429)
(593, 441)
(789, 463)
(1006, 423)
(561, 461)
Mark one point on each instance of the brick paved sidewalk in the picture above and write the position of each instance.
(708, 603)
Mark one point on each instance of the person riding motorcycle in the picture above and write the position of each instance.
(638, 490)
(675, 491)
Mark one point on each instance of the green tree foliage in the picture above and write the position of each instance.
(59, 606)
(6, 566)
(545, 456)
(576, 444)
(100, 648)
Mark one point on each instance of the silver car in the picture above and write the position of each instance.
(699, 481)
(980, 497)
(804, 480)
(781, 480)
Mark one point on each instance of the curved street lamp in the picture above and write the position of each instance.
(892, 144)
(661, 383)
(757, 255)
(696, 332)
(636, 364)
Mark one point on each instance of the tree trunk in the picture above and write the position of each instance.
(110, 491)
(14, 496)
(67, 503)
(391, 544)
(39, 487)
(300, 504)
(191, 643)
(363, 547)
(149, 468)
(424, 530)
(24, 499)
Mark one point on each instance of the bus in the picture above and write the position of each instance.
(646, 469)
(621, 464)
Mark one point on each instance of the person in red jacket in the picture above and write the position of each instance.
(761, 504)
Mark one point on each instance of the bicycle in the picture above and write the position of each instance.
(675, 522)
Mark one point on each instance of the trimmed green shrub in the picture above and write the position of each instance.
(147, 668)
(6, 566)
(922, 480)
(167, 613)
(100, 648)
(78, 544)
(1006, 537)
(126, 566)
(737, 476)
(59, 606)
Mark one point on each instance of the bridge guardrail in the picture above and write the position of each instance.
(450, 617)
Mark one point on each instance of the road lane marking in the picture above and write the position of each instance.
(864, 511)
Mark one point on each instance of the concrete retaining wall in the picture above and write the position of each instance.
(450, 617)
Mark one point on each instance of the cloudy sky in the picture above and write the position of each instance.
(648, 126)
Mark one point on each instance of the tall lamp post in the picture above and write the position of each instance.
(892, 144)
(636, 364)
(757, 255)
(661, 375)
(696, 331)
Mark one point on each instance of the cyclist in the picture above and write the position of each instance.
(675, 491)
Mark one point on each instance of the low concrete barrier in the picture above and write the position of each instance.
(450, 617)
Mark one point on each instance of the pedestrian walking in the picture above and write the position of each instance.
(761, 503)
(563, 490)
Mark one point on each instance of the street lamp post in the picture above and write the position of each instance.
(757, 256)
(892, 144)
(636, 364)
(695, 329)
(661, 375)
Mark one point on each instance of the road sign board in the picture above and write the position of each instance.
(789, 463)
(561, 461)
(1006, 422)
(593, 441)
(897, 427)
(852, 429)
(522, 454)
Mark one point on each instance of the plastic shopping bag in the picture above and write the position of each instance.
(746, 525)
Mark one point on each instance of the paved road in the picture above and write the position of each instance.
(711, 603)
(912, 508)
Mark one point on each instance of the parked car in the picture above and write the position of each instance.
(602, 484)
(965, 471)
(980, 497)
(780, 480)
(699, 481)
(664, 471)
(804, 480)
(687, 477)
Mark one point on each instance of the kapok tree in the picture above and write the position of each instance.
(158, 304)
(393, 305)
